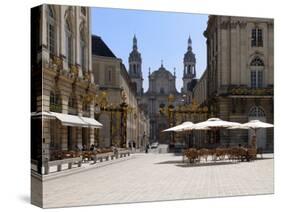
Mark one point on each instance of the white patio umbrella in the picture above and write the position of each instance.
(186, 126)
(216, 123)
(179, 127)
(254, 125)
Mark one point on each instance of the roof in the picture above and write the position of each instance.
(161, 71)
(100, 48)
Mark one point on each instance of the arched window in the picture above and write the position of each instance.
(257, 68)
(257, 62)
(83, 50)
(55, 102)
(72, 106)
(51, 32)
(256, 111)
(68, 41)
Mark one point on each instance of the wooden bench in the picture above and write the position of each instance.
(59, 163)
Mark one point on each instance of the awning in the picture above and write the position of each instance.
(92, 122)
(70, 120)
(43, 114)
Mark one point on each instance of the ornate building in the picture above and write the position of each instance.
(238, 82)
(62, 85)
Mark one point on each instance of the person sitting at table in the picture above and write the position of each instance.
(92, 147)
(84, 148)
(76, 148)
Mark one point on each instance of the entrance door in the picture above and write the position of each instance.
(257, 113)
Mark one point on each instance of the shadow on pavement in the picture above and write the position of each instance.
(265, 158)
(170, 162)
(218, 163)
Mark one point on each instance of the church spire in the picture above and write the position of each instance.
(189, 70)
(135, 43)
(189, 48)
(135, 70)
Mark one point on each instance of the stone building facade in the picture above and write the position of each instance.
(162, 85)
(112, 78)
(238, 82)
(61, 61)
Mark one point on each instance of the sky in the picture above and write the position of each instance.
(160, 36)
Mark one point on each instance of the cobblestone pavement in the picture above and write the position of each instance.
(152, 177)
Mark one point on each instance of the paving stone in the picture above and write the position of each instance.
(152, 177)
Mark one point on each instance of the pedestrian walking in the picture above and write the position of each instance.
(146, 148)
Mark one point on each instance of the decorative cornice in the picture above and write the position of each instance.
(233, 25)
(224, 25)
(242, 24)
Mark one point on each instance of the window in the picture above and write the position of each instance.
(86, 109)
(257, 40)
(162, 91)
(55, 102)
(51, 38)
(260, 41)
(256, 79)
(72, 109)
(253, 79)
(257, 62)
(109, 73)
(257, 67)
(256, 111)
(68, 42)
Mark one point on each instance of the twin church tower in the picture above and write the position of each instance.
(135, 68)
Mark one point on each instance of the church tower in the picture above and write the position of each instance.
(135, 71)
(189, 72)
